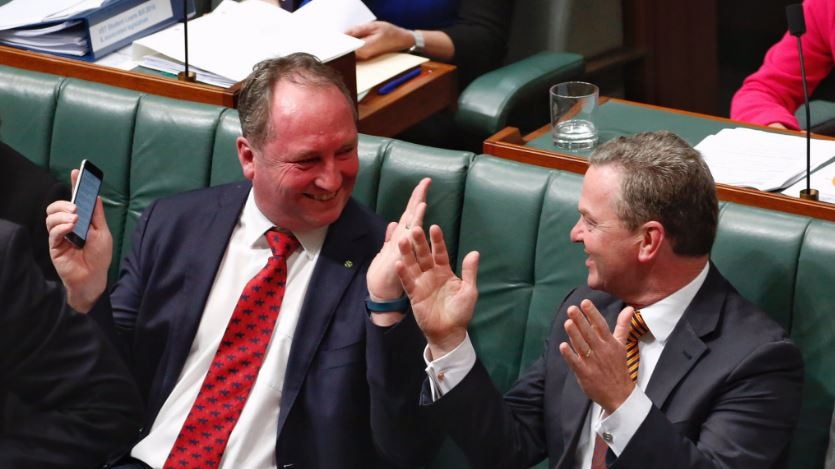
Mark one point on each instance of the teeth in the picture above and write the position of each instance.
(323, 197)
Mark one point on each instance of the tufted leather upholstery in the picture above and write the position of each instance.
(517, 215)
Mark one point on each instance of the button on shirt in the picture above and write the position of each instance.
(617, 428)
(252, 442)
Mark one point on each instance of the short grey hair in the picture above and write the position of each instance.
(667, 180)
(256, 95)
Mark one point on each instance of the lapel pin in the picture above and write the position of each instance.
(348, 264)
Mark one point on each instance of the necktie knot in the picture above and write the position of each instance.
(281, 242)
(637, 327)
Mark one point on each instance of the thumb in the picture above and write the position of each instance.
(360, 30)
(622, 326)
(469, 268)
(99, 220)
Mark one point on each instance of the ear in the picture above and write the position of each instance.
(652, 239)
(246, 157)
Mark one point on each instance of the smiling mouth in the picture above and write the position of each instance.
(322, 197)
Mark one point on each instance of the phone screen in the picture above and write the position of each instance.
(86, 190)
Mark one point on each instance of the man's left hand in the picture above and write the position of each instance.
(598, 357)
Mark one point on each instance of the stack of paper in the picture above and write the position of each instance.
(37, 25)
(233, 38)
(763, 160)
(225, 44)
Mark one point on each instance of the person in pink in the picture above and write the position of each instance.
(771, 95)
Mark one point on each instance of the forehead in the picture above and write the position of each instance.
(601, 189)
(300, 112)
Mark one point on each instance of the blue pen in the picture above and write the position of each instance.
(393, 84)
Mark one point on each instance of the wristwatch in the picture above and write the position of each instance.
(419, 43)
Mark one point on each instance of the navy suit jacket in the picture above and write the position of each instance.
(725, 393)
(345, 397)
(80, 402)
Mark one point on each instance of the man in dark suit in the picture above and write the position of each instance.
(26, 191)
(331, 387)
(703, 378)
(83, 402)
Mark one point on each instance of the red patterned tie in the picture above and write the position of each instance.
(637, 329)
(227, 385)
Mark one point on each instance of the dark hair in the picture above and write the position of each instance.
(664, 179)
(256, 96)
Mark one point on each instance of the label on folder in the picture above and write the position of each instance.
(128, 23)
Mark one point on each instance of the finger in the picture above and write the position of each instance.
(581, 322)
(623, 325)
(418, 196)
(390, 230)
(596, 320)
(469, 268)
(360, 30)
(423, 253)
(99, 220)
(570, 357)
(439, 251)
(406, 277)
(572, 328)
(60, 229)
(60, 206)
(73, 177)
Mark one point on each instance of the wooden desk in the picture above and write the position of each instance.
(433, 90)
(509, 143)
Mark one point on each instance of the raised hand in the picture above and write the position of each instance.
(83, 271)
(383, 283)
(597, 356)
(442, 303)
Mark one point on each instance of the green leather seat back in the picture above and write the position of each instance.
(752, 240)
(172, 151)
(27, 107)
(225, 165)
(97, 122)
(813, 330)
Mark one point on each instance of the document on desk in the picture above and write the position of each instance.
(823, 180)
(19, 13)
(233, 38)
(767, 161)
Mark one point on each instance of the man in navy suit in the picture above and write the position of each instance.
(333, 390)
(81, 401)
(714, 383)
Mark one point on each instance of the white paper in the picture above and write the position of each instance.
(371, 73)
(823, 180)
(760, 159)
(236, 36)
(333, 15)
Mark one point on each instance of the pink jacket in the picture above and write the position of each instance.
(774, 92)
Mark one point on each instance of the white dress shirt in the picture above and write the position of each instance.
(252, 442)
(618, 427)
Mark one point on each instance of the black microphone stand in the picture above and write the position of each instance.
(797, 26)
(186, 75)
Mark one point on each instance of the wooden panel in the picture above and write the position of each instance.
(509, 144)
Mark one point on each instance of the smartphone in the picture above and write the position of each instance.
(84, 195)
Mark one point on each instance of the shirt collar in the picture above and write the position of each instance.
(662, 316)
(255, 224)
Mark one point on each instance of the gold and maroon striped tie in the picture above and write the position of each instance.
(637, 329)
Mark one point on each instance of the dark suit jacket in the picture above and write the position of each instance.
(83, 402)
(725, 392)
(346, 380)
(25, 192)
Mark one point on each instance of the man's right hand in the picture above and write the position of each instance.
(442, 303)
(83, 271)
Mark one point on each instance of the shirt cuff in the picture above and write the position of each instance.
(621, 425)
(447, 371)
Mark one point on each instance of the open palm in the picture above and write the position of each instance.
(442, 303)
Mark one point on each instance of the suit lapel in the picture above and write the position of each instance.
(210, 231)
(332, 275)
(685, 346)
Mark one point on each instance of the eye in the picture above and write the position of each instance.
(346, 151)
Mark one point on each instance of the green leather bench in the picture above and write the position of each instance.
(517, 215)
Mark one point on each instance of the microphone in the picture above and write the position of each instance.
(186, 75)
(797, 26)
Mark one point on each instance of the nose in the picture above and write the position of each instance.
(330, 178)
(576, 233)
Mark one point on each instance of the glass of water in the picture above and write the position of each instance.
(573, 104)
